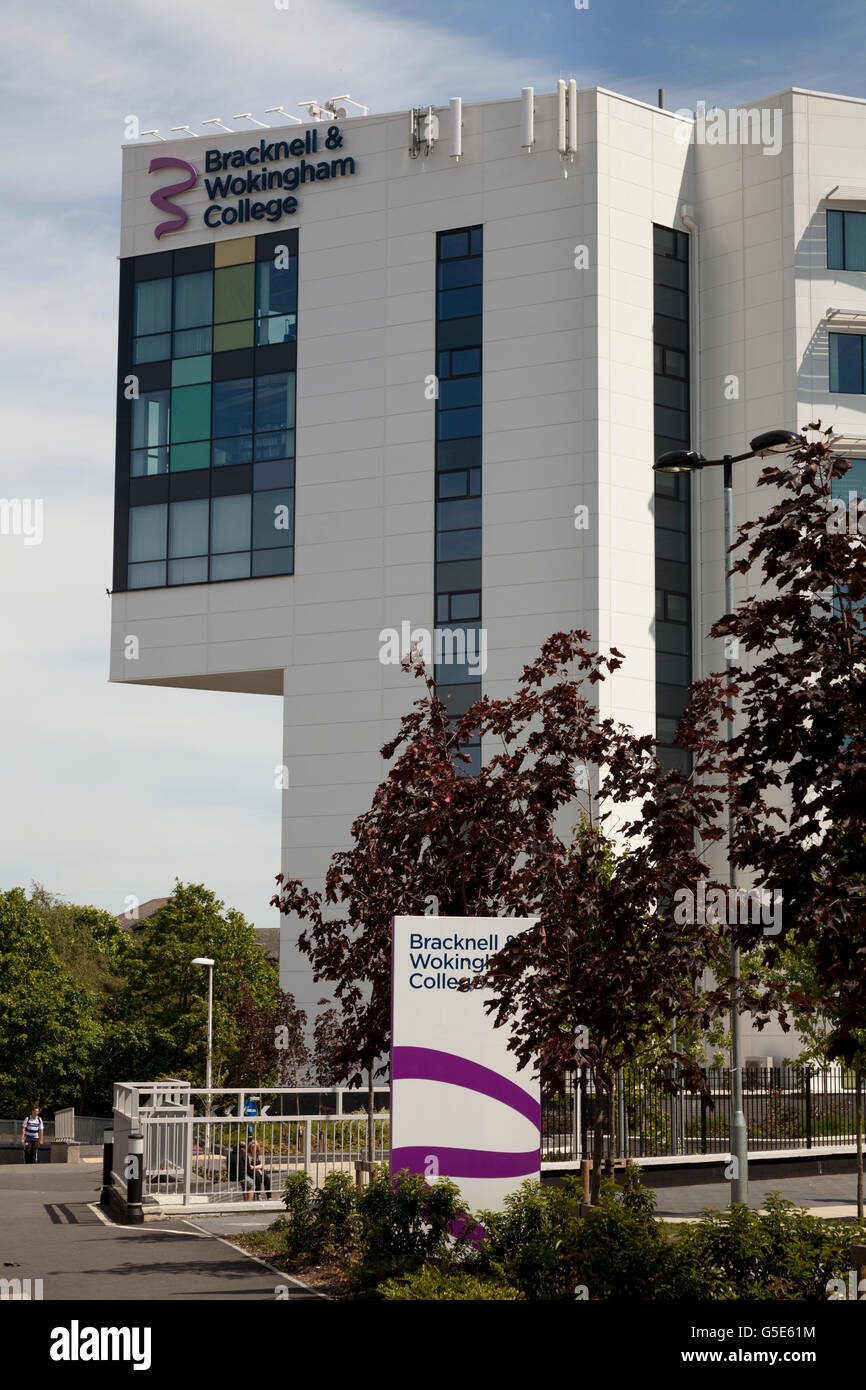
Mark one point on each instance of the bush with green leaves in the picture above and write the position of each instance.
(335, 1214)
(780, 1253)
(533, 1242)
(322, 1221)
(432, 1283)
(404, 1222)
(625, 1252)
(298, 1200)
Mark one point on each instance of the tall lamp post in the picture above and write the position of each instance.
(206, 960)
(687, 461)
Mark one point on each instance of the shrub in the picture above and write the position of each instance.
(783, 1253)
(298, 1198)
(540, 1245)
(626, 1253)
(335, 1214)
(431, 1283)
(533, 1243)
(404, 1222)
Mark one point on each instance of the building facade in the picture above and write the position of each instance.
(410, 372)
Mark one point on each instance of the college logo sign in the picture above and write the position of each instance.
(460, 1108)
(328, 162)
(161, 199)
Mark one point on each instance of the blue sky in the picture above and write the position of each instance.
(110, 791)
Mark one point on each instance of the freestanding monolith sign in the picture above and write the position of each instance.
(459, 1107)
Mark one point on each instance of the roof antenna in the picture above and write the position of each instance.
(269, 110)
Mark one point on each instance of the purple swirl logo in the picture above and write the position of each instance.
(429, 1064)
(161, 199)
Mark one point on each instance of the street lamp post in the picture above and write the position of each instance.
(206, 960)
(687, 461)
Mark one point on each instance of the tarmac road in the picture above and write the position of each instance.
(49, 1232)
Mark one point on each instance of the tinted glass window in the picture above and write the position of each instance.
(192, 300)
(233, 407)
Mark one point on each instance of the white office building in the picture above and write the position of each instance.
(412, 371)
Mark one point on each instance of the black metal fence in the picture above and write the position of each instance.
(792, 1107)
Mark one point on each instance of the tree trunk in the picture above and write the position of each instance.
(597, 1145)
(610, 1166)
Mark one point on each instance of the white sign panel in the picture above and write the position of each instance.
(459, 1107)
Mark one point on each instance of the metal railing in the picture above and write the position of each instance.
(83, 1129)
(11, 1129)
(200, 1147)
(790, 1107)
(199, 1161)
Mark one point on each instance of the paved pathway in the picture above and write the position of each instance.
(49, 1232)
(833, 1194)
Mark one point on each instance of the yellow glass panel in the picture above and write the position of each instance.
(235, 252)
(227, 336)
(234, 289)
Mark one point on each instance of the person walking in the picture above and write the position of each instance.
(32, 1133)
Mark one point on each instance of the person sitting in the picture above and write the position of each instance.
(239, 1168)
(260, 1177)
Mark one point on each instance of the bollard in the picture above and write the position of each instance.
(586, 1177)
(134, 1175)
(107, 1165)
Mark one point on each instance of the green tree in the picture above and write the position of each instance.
(168, 994)
(49, 1036)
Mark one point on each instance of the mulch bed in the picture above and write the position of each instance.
(328, 1279)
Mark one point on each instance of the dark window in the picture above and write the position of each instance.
(459, 391)
(846, 240)
(846, 363)
(232, 407)
(453, 244)
(458, 424)
(458, 545)
(453, 275)
(672, 491)
(460, 304)
(452, 516)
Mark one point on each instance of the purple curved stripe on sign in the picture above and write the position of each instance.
(428, 1064)
(160, 198)
(466, 1163)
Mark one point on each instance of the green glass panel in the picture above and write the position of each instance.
(273, 562)
(147, 532)
(188, 371)
(230, 566)
(190, 413)
(187, 456)
(146, 576)
(227, 336)
(234, 293)
(153, 307)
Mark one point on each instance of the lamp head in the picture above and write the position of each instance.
(774, 442)
(202, 960)
(679, 461)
